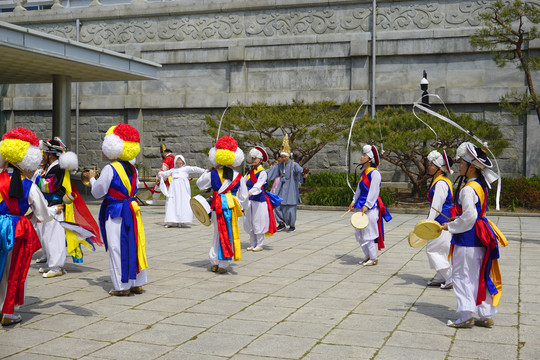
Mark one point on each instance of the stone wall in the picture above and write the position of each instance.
(214, 53)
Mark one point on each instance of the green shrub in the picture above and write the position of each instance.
(329, 179)
(517, 192)
(330, 189)
(329, 196)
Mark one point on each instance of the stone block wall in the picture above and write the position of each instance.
(214, 54)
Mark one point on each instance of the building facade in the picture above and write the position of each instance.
(222, 51)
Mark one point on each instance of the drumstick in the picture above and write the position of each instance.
(447, 218)
(345, 213)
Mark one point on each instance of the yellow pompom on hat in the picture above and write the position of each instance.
(20, 147)
(226, 153)
(122, 142)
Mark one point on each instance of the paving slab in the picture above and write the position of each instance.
(303, 297)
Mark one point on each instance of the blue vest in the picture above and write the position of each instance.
(216, 183)
(469, 238)
(364, 191)
(447, 202)
(260, 197)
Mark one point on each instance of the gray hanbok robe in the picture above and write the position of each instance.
(290, 179)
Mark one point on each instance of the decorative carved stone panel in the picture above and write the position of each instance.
(391, 16)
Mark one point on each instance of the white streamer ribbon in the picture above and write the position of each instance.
(418, 105)
(348, 144)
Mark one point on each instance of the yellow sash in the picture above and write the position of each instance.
(141, 239)
(236, 212)
(495, 272)
(445, 179)
(72, 241)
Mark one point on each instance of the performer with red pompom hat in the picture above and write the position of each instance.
(230, 192)
(18, 239)
(120, 216)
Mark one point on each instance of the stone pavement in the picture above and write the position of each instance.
(303, 297)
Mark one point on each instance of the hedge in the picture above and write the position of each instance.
(330, 189)
(517, 192)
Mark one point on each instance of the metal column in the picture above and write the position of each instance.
(62, 108)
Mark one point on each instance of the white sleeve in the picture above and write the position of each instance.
(242, 194)
(100, 187)
(165, 174)
(257, 188)
(466, 221)
(195, 169)
(374, 189)
(439, 197)
(205, 180)
(356, 193)
(38, 204)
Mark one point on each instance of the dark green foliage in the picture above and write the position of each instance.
(330, 189)
(407, 141)
(508, 28)
(309, 126)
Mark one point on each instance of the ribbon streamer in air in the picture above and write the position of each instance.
(420, 106)
(349, 143)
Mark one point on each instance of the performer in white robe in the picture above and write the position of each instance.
(475, 272)
(441, 196)
(177, 208)
(230, 195)
(119, 217)
(259, 219)
(366, 199)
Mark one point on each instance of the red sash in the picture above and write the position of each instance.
(25, 244)
(272, 228)
(382, 210)
(220, 219)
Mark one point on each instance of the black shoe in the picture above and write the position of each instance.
(280, 227)
(291, 229)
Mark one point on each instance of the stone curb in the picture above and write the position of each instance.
(411, 211)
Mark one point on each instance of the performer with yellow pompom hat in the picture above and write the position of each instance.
(120, 217)
(229, 197)
(475, 251)
(18, 239)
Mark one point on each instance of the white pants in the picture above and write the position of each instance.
(467, 262)
(367, 237)
(214, 249)
(113, 227)
(53, 241)
(4, 282)
(256, 240)
(437, 252)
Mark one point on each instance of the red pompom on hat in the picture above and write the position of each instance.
(24, 134)
(227, 143)
(127, 132)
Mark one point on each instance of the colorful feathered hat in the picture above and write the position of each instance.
(20, 147)
(122, 142)
(226, 153)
